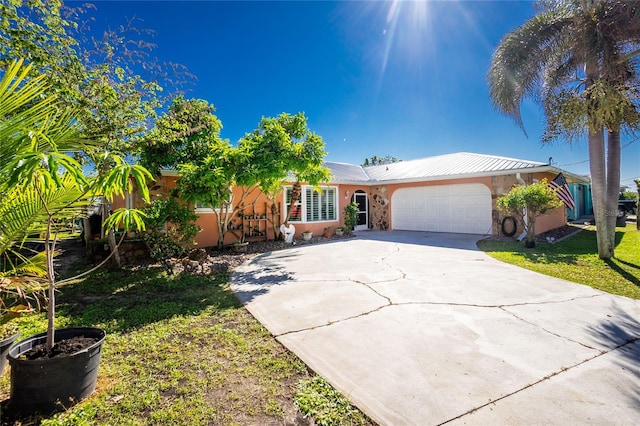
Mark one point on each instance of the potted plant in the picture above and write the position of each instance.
(327, 232)
(339, 231)
(306, 235)
(43, 186)
(240, 246)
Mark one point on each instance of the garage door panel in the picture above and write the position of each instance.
(463, 208)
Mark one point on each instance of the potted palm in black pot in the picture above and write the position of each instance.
(42, 187)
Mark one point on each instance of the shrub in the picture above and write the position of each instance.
(350, 216)
(528, 202)
(171, 228)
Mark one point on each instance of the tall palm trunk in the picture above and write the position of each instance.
(613, 184)
(598, 190)
(605, 182)
(597, 167)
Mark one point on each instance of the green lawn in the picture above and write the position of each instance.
(575, 259)
(181, 350)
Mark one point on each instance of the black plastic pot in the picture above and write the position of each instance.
(52, 384)
(5, 345)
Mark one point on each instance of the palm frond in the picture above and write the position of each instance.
(25, 208)
(515, 71)
(32, 122)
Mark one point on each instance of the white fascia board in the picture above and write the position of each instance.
(570, 176)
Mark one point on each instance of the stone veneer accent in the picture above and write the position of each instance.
(500, 185)
(379, 208)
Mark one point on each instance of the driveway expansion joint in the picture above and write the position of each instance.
(545, 378)
(389, 301)
(329, 323)
(543, 328)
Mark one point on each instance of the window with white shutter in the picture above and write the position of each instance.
(314, 206)
(321, 206)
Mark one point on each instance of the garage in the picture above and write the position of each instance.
(461, 208)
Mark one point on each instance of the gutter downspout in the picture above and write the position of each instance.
(524, 210)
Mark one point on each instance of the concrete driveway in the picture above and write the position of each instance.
(425, 329)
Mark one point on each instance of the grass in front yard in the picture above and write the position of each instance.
(576, 259)
(180, 350)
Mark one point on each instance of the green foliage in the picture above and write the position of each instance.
(316, 398)
(180, 350)
(171, 228)
(33, 139)
(536, 199)
(578, 59)
(628, 195)
(350, 216)
(39, 32)
(97, 76)
(43, 186)
(570, 113)
(280, 147)
(181, 136)
(377, 161)
(187, 138)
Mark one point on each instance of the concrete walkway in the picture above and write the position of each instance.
(425, 329)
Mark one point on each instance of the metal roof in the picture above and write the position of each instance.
(449, 165)
(343, 172)
(457, 165)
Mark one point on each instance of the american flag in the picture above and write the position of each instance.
(559, 184)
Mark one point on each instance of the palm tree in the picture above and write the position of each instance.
(23, 109)
(41, 184)
(577, 58)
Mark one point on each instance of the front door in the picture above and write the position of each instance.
(360, 197)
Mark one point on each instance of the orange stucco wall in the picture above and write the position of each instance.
(502, 184)
(264, 214)
(554, 218)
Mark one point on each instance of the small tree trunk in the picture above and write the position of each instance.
(51, 313)
(220, 233)
(87, 230)
(530, 240)
(274, 224)
(111, 238)
(296, 191)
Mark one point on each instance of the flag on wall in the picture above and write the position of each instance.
(559, 184)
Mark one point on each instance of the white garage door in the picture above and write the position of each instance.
(463, 208)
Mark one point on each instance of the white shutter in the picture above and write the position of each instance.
(331, 204)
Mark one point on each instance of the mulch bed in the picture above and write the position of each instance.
(200, 261)
(554, 235)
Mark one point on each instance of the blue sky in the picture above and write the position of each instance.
(406, 79)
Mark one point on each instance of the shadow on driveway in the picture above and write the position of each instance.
(434, 239)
